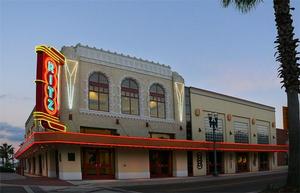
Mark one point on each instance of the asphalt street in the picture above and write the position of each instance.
(237, 185)
(240, 183)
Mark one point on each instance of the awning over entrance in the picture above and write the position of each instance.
(38, 139)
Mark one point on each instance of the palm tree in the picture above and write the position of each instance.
(6, 152)
(289, 72)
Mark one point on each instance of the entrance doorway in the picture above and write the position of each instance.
(263, 161)
(210, 163)
(98, 163)
(40, 165)
(190, 163)
(160, 163)
(242, 162)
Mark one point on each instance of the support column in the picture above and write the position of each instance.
(69, 169)
(229, 162)
(132, 163)
(180, 163)
(37, 168)
(199, 163)
(253, 161)
(51, 165)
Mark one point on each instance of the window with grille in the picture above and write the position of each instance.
(262, 134)
(209, 131)
(130, 97)
(98, 92)
(241, 132)
(157, 101)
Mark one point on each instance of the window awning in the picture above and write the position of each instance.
(38, 139)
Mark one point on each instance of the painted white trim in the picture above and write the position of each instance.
(125, 116)
(132, 175)
(70, 176)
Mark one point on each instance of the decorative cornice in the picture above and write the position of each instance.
(103, 57)
(125, 116)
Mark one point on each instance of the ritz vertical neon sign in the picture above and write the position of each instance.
(49, 64)
(50, 88)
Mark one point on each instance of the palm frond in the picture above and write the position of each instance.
(243, 6)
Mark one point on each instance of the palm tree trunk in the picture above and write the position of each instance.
(293, 179)
(289, 72)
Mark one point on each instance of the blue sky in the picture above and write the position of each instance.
(211, 47)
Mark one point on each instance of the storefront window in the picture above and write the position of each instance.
(130, 97)
(262, 134)
(209, 131)
(157, 101)
(241, 132)
(98, 92)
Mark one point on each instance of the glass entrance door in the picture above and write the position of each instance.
(210, 163)
(160, 163)
(263, 161)
(97, 163)
(242, 160)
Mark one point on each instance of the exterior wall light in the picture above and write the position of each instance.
(229, 116)
(253, 121)
(197, 112)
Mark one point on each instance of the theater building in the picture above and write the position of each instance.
(103, 115)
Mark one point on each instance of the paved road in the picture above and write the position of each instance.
(12, 189)
(240, 183)
(237, 185)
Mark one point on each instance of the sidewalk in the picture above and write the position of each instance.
(16, 179)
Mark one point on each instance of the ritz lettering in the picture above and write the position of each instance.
(50, 88)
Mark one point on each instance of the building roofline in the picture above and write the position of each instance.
(231, 98)
(119, 54)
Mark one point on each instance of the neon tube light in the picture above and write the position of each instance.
(179, 89)
(70, 73)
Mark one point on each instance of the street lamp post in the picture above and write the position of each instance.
(213, 123)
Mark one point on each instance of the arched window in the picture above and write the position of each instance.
(98, 92)
(130, 97)
(157, 101)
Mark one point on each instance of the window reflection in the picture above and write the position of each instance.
(98, 92)
(157, 101)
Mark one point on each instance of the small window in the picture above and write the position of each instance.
(71, 156)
